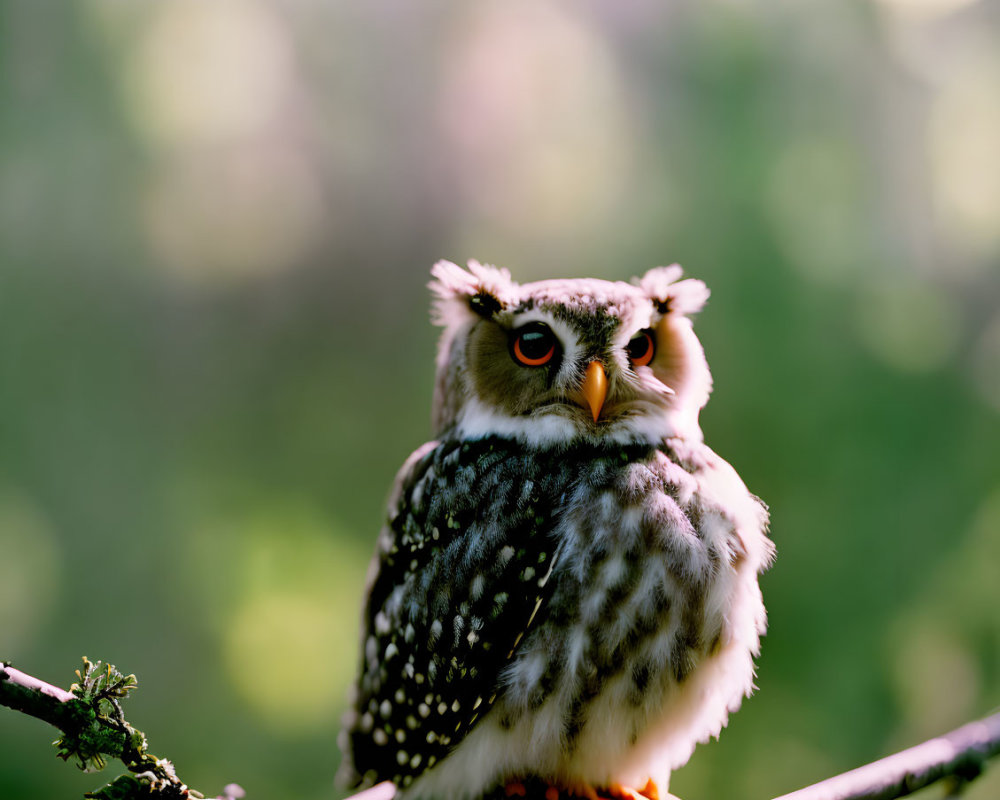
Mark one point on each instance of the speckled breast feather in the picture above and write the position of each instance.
(458, 618)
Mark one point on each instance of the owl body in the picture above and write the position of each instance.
(566, 587)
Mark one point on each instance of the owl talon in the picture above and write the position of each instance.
(648, 792)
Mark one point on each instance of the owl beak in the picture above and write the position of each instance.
(595, 388)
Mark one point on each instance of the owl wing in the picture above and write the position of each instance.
(461, 570)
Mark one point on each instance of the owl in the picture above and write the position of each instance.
(565, 591)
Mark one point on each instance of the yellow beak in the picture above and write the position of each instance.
(595, 388)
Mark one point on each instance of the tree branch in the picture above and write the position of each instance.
(36, 698)
(961, 753)
(93, 726)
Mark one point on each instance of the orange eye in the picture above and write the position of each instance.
(534, 345)
(641, 348)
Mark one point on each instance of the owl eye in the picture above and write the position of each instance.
(641, 348)
(533, 345)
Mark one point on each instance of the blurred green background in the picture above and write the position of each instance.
(216, 224)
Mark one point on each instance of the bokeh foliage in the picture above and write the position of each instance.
(216, 221)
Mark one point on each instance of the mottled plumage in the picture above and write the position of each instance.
(566, 588)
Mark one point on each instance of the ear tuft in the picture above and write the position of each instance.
(483, 289)
(670, 294)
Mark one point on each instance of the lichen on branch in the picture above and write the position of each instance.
(94, 729)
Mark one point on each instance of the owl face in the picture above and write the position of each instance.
(560, 361)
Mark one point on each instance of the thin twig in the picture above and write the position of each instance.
(28, 694)
(94, 726)
(84, 736)
(961, 753)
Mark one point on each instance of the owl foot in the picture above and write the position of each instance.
(586, 791)
(552, 792)
(648, 792)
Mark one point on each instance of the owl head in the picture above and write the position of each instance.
(562, 361)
